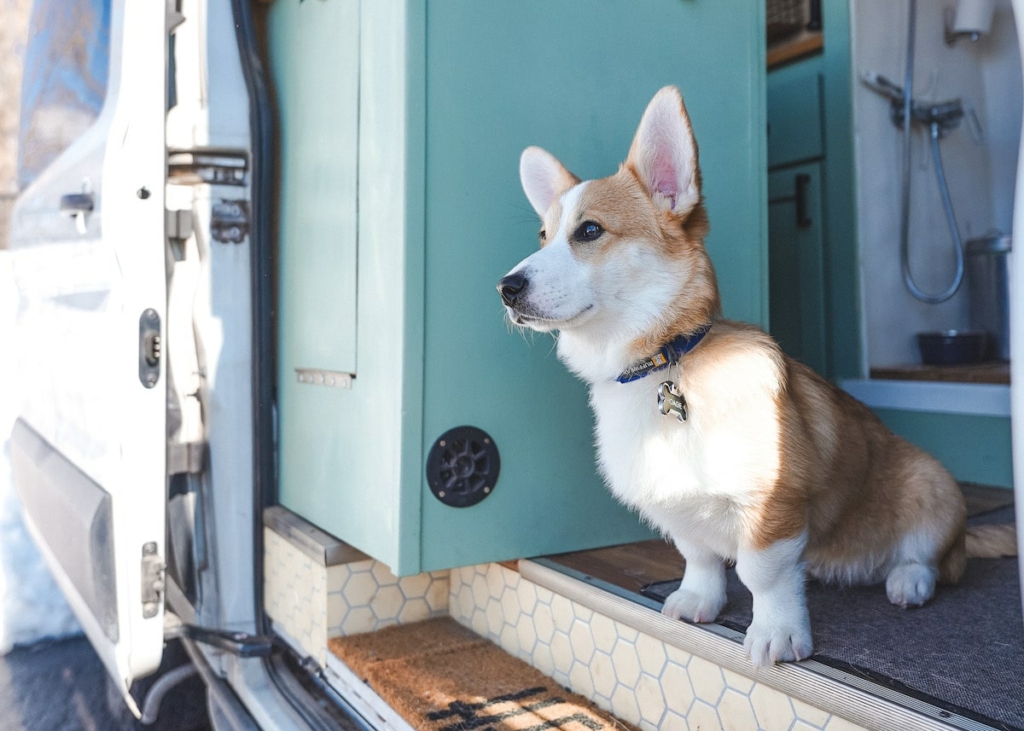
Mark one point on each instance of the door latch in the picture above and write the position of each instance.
(152, 580)
(150, 348)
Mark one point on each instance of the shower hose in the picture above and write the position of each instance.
(908, 277)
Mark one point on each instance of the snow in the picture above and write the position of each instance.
(31, 606)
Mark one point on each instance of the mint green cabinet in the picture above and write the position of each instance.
(447, 94)
(796, 220)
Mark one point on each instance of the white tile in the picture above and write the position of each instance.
(603, 630)
(650, 699)
(651, 653)
(510, 605)
(438, 594)
(543, 623)
(772, 708)
(673, 722)
(702, 717)
(527, 633)
(580, 680)
(735, 711)
(527, 596)
(603, 672)
(543, 660)
(582, 642)
(626, 632)
(805, 712)
(624, 704)
(707, 680)
(414, 587)
(481, 593)
(414, 610)
(388, 603)
(561, 612)
(336, 576)
(509, 639)
(359, 589)
(627, 664)
(739, 682)
(675, 685)
(495, 619)
(359, 620)
(383, 575)
(561, 651)
(495, 581)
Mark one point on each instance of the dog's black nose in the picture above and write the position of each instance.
(512, 288)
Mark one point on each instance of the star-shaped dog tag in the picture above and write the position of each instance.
(671, 400)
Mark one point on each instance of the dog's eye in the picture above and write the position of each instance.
(543, 236)
(588, 231)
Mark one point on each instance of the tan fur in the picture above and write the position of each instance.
(992, 541)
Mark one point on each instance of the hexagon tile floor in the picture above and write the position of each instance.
(635, 676)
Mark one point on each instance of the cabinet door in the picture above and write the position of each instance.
(796, 279)
(573, 78)
(449, 94)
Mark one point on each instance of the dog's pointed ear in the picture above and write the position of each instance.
(543, 178)
(664, 153)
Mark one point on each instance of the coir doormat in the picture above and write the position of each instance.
(440, 676)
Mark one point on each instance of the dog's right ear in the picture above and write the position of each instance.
(543, 178)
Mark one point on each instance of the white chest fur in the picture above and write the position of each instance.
(695, 477)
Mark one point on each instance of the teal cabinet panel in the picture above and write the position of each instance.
(973, 448)
(318, 131)
(449, 93)
(795, 113)
(796, 288)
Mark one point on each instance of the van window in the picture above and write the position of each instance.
(65, 79)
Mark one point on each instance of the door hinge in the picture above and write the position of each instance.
(229, 221)
(179, 224)
(240, 644)
(207, 166)
(152, 580)
(185, 458)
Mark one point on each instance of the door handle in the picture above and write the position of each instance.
(803, 182)
(75, 203)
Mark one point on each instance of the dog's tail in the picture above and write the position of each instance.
(992, 541)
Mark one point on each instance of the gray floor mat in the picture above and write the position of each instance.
(964, 650)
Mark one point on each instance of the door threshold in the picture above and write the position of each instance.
(850, 696)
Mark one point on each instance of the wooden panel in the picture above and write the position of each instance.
(998, 372)
(629, 566)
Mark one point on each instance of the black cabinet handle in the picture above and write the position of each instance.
(76, 203)
(803, 182)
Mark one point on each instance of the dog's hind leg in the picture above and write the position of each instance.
(781, 628)
(701, 595)
(911, 581)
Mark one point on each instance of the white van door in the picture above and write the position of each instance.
(89, 449)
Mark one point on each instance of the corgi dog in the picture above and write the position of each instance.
(718, 439)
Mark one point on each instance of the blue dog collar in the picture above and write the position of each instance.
(669, 354)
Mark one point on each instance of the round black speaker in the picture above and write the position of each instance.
(463, 466)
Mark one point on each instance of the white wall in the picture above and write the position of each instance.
(987, 76)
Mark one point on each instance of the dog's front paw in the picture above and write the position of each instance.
(768, 643)
(693, 607)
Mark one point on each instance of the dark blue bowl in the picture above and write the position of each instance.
(953, 347)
